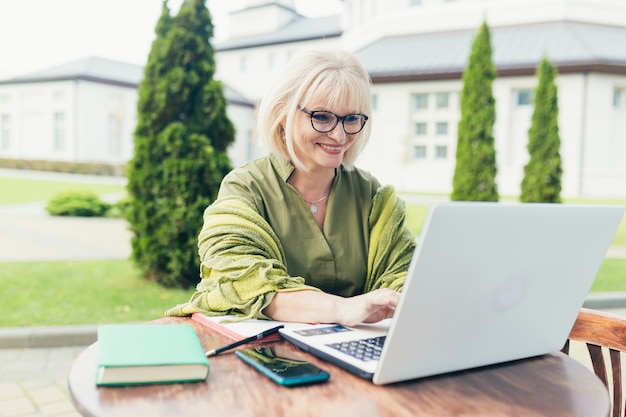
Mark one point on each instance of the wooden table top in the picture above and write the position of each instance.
(551, 385)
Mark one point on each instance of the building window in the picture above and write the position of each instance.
(243, 64)
(59, 131)
(441, 152)
(619, 98)
(115, 135)
(271, 60)
(442, 100)
(420, 101)
(250, 142)
(419, 152)
(374, 102)
(58, 96)
(524, 98)
(441, 128)
(421, 128)
(5, 132)
(415, 2)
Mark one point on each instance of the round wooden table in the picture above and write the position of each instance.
(551, 385)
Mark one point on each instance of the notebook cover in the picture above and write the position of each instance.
(130, 354)
(237, 330)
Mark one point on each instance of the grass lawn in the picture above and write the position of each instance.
(611, 277)
(18, 190)
(85, 292)
(21, 190)
(95, 292)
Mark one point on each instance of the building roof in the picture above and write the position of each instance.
(94, 69)
(105, 71)
(301, 29)
(235, 97)
(571, 46)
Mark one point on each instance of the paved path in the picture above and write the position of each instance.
(34, 362)
(28, 233)
(33, 382)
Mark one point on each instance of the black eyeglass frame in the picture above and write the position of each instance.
(338, 118)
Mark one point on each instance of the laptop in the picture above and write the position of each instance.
(488, 283)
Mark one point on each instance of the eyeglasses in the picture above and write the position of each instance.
(325, 121)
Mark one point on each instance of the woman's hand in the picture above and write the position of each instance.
(318, 307)
(370, 307)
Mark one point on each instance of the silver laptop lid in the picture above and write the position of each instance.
(494, 282)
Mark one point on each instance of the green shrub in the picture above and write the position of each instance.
(543, 172)
(119, 209)
(181, 141)
(475, 170)
(77, 203)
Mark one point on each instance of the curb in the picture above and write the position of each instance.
(84, 335)
(49, 336)
(605, 300)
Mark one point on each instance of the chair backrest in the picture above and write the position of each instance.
(603, 332)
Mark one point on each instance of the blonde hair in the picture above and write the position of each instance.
(334, 77)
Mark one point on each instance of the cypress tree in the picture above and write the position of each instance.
(542, 173)
(180, 146)
(475, 170)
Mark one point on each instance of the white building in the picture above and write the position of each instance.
(415, 51)
(86, 111)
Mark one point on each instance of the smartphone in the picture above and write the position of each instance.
(282, 370)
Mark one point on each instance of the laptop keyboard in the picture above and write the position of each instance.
(364, 349)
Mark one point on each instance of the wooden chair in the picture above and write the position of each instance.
(600, 330)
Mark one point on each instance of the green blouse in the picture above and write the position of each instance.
(333, 260)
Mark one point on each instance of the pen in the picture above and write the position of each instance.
(261, 335)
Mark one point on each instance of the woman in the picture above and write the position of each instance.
(301, 235)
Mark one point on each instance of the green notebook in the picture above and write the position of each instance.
(132, 354)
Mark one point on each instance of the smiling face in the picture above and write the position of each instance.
(331, 80)
(316, 150)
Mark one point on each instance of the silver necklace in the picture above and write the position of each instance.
(312, 204)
